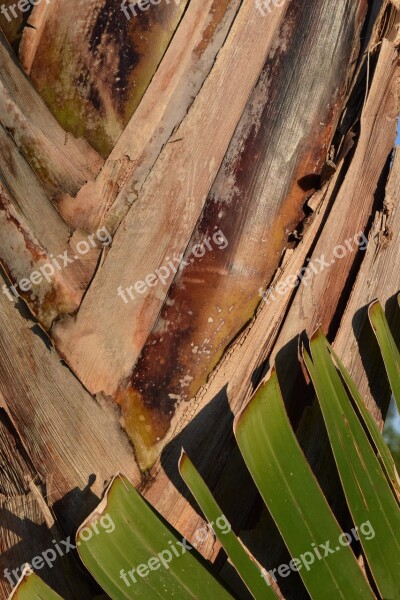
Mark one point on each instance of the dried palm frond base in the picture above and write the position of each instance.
(181, 195)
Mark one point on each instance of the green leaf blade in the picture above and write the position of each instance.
(142, 557)
(247, 569)
(369, 497)
(371, 424)
(294, 499)
(390, 352)
(31, 587)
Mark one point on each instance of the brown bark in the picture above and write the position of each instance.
(233, 133)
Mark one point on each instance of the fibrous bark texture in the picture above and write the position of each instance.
(167, 178)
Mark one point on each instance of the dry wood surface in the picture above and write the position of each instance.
(267, 141)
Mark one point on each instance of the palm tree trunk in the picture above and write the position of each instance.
(226, 152)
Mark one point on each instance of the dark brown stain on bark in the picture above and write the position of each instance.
(215, 295)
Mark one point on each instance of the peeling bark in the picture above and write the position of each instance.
(187, 62)
(63, 164)
(283, 135)
(186, 173)
(94, 92)
(275, 142)
(276, 131)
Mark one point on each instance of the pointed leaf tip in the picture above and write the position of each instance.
(317, 334)
(184, 458)
(242, 413)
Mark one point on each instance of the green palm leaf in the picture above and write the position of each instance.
(295, 500)
(367, 492)
(390, 352)
(246, 568)
(31, 587)
(142, 557)
(371, 424)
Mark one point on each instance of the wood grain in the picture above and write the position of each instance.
(179, 77)
(273, 164)
(62, 163)
(74, 443)
(204, 432)
(26, 524)
(164, 221)
(93, 92)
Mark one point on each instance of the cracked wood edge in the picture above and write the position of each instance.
(29, 196)
(351, 211)
(256, 200)
(237, 369)
(27, 526)
(379, 277)
(164, 227)
(25, 249)
(33, 32)
(58, 419)
(179, 77)
(62, 163)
